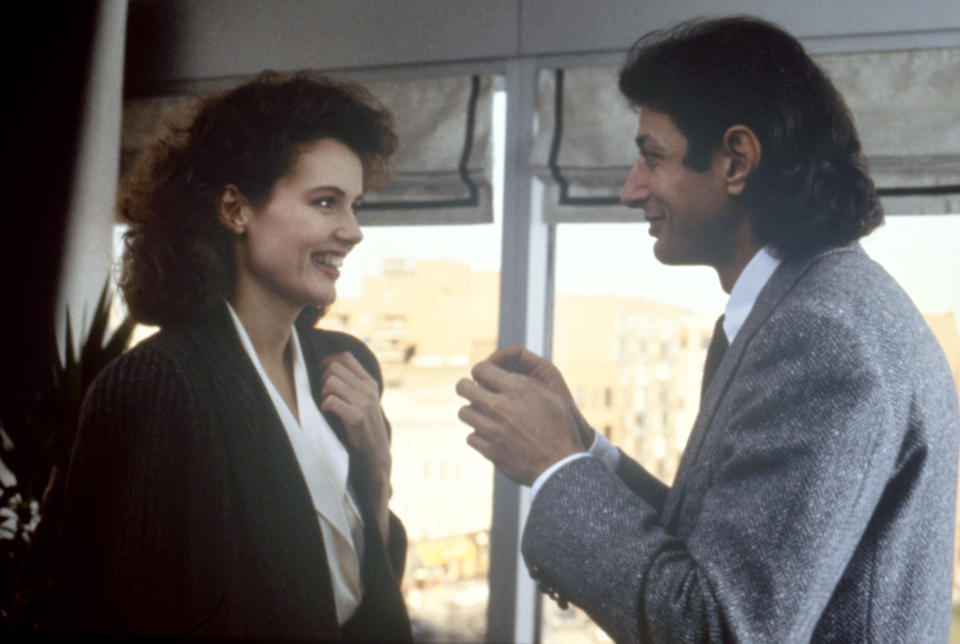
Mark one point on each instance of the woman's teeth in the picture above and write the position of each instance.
(328, 258)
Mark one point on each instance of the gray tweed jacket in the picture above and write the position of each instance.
(814, 500)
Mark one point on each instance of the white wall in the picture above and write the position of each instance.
(88, 251)
(553, 26)
(175, 41)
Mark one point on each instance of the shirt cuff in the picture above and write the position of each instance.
(606, 451)
(601, 448)
(547, 473)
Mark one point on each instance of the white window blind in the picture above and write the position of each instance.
(905, 104)
(441, 171)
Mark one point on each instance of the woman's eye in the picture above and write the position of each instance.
(324, 202)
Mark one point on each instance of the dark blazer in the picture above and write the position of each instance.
(814, 499)
(186, 511)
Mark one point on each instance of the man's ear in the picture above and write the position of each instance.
(743, 152)
(232, 209)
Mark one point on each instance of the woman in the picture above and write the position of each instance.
(231, 473)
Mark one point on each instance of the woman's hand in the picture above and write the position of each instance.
(352, 395)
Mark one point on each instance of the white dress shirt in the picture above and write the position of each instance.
(325, 465)
(743, 295)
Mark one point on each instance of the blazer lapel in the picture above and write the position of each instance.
(263, 469)
(317, 346)
(776, 288)
(382, 614)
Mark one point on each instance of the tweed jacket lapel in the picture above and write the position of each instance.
(263, 469)
(778, 286)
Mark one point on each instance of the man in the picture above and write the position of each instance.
(815, 496)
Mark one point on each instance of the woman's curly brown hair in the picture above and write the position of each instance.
(178, 257)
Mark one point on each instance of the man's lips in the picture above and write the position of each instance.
(656, 222)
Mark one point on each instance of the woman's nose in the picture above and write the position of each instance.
(349, 230)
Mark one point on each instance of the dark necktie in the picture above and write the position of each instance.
(718, 346)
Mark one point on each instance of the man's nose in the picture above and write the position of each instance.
(634, 192)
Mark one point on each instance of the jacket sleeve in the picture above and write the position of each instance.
(641, 482)
(773, 511)
(123, 557)
(397, 546)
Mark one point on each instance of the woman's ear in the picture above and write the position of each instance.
(232, 210)
(743, 151)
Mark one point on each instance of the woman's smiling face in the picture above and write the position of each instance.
(294, 243)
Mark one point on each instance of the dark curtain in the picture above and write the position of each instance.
(47, 53)
(46, 49)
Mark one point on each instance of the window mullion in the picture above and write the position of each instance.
(525, 307)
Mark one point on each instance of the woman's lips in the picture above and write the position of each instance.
(328, 263)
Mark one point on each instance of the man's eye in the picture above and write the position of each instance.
(651, 158)
(324, 202)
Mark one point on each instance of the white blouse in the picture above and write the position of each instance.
(324, 463)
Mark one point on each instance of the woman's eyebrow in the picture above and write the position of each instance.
(328, 188)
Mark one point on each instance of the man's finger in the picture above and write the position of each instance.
(479, 420)
(493, 377)
(482, 445)
(480, 398)
(516, 359)
(505, 354)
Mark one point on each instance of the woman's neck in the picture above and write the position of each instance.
(268, 327)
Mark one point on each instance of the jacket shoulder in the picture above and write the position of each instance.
(149, 361)
(322, 343)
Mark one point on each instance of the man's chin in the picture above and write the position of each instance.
(665, 254)
(672, 256)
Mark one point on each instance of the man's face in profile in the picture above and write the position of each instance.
(687, 209)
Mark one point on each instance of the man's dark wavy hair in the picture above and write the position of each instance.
(178, 259)
(811, 189)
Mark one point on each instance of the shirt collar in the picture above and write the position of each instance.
(746, 289)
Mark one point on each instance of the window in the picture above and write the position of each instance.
(441, 319)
